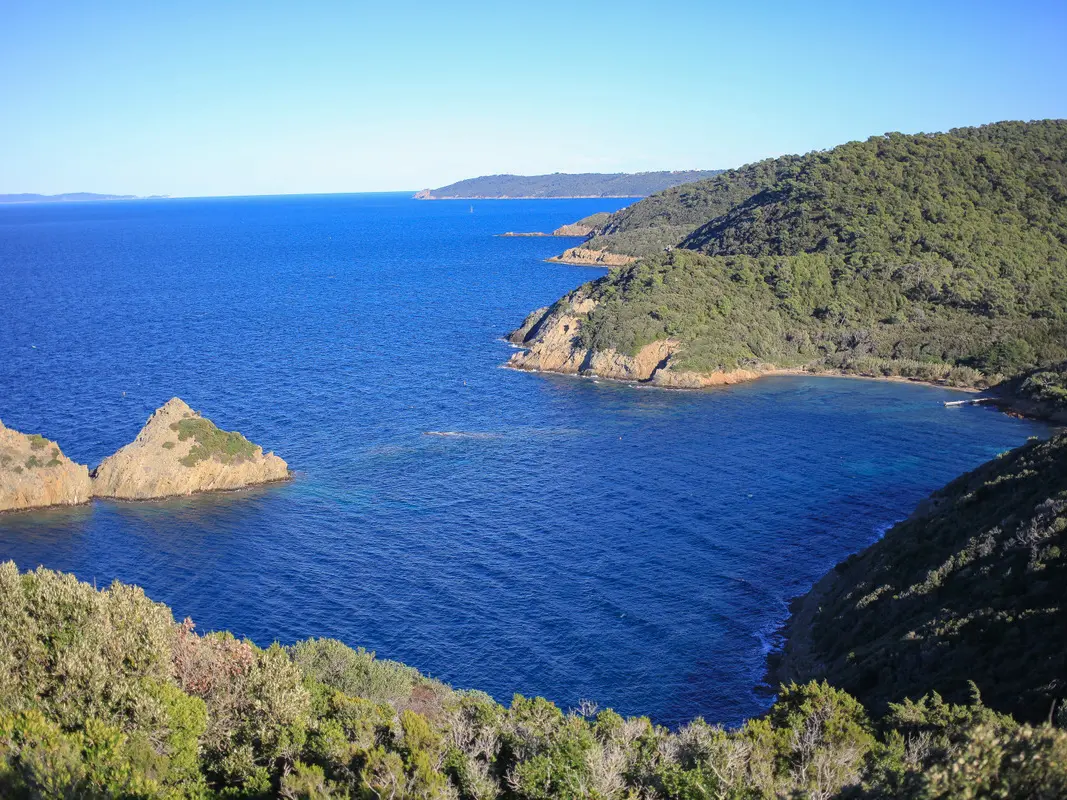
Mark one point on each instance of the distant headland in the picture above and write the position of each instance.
(561, 185)
(72, 197)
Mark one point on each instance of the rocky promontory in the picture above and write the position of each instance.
(179, 452)
(551, 342)
(34, 473)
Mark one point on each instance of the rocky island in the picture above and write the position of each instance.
(179, 452)
(34, 473)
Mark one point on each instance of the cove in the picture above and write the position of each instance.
(568, 538)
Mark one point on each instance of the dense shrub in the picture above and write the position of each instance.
(104, 695)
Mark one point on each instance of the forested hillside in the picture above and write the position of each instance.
(937, 256)
(970, 588)
(560, 184)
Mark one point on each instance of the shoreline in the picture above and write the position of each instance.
(735, 377)
(1017, 407)
(538, 197)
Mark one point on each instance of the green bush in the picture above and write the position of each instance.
(104, 695)
(211, 442)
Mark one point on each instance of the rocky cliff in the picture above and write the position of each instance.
(551, 338)
(179, 452)
(34, 473)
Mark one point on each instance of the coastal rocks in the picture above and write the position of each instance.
(670, 378)
(550, 336)
(177, 453)
(551, 340)
(34, 473)
(585, 257)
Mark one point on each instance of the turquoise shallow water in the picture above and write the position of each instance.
(575, 539)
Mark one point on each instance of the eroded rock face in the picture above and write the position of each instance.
(34, 473)
(179, 452)
(550, 336)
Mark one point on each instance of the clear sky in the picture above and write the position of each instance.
(214, 98)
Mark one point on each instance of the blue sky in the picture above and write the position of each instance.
(259, 98)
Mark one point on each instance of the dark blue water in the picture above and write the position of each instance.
(582, 540)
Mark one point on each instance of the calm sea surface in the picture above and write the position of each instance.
(576, 539)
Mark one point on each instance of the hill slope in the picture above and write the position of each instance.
(939, 256)
(559, 184)
(969, 588)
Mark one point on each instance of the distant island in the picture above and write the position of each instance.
(71, 197)
(563, 185)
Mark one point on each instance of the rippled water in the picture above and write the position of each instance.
(571, 538)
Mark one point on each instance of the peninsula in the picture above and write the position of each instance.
(70, 197)
(563, 185)
(935, 257)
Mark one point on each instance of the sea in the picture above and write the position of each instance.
(573, 538)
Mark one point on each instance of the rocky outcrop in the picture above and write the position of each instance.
(574, 229)
(551, 342)
(179, 452)
(671, 378)
(584, 257)
(34, 473)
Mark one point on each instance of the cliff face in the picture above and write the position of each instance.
(34, 473)
(552, 343)
(178, 452)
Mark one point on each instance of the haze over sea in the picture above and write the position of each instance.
(570, 538)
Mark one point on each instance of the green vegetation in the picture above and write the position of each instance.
(969, 588)
(938, 256)
(588, 184)
(103, 694)
(211, 442)
(37, 442)
(1046, 385)
(595, 220)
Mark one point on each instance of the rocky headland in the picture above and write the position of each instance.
(551, 342)
(34, 473)
(179, 452)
